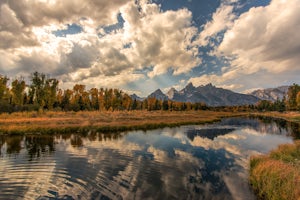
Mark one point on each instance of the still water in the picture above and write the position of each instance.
(187, 162)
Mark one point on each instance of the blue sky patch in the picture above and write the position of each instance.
(70, 30)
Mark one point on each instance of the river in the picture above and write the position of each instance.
(188, 162)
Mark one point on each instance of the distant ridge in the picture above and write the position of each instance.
(271, 94)
(136, 97)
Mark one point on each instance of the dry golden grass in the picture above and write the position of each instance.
(277, 175)
(288, 153)
(118, 120)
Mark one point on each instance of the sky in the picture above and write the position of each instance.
(139, 46)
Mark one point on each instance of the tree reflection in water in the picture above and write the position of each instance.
(38, 145)
(188, 162)
(13, 145)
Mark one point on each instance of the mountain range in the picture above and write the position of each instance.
(208, 94)
(271, 94)
(214, 96)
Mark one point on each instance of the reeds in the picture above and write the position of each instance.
(103, 121)
(277, 176)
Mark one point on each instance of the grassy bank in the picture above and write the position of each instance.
(277, 175)
(289, 116)
(51, 122)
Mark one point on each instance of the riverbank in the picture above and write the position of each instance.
(288, 116)
(51, 122)
(277, 174)
(269, 174)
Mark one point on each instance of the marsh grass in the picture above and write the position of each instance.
(289, 116)
(51, 122)
(277, 176)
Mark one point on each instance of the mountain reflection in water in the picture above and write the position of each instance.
(187, 162)
(208, 133)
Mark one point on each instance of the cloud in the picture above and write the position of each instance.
(145, 38)
(162, 40)
(37, 13)
(265, 37)
(83, 76)
(12, 33)
(262, 48)
(18, 18)
(28, 42)
(221, 20)
(81, 56)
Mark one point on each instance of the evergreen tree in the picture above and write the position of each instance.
(134, 105)
(165, 105)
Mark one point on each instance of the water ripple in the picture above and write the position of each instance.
(191, 162)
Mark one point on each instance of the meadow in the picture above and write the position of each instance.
(51, 122)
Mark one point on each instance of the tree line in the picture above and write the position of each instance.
(43, 93)
(290, 102)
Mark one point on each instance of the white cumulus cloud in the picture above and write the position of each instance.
(149, 39)
(221, 20)
(262, 46)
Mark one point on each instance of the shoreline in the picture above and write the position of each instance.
(66, 122)
(51, 122)
(260, 171)
(288, 116)
(266, 176)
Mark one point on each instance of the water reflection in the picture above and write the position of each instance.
(208, 133)
(13, 144)
(188, 162)
(37, 145)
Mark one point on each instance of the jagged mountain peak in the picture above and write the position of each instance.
(189, 88)
(209, 85)
(189, 85)
(208, 94)
(213, 96)
(158, 91)
(158, 94)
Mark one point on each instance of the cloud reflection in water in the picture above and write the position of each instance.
(188, 162)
